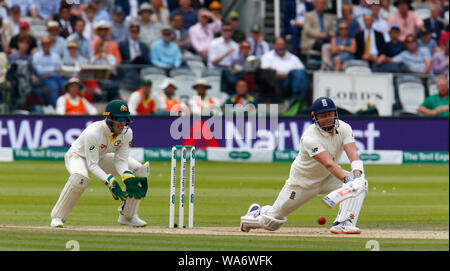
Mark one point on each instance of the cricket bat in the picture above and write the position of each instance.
(337, 196)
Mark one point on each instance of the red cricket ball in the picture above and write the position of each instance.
(321, 220)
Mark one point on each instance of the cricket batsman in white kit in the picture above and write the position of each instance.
(315, 171)
(103, 149)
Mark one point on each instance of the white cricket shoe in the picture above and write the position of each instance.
(345, 227)
(252, 213)
(56, 223)
(135, 221)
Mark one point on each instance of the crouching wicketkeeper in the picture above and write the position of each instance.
(103, 150)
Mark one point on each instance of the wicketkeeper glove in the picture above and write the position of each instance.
(136, 186)
(115, 188)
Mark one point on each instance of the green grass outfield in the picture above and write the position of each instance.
(401, 198)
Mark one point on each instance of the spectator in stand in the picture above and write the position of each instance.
(66, 20)
(84, 45)
(241, 97)
(24, 5)
(203, 32)
(150, 31)
(88, 18)
(164, 53)
(59, 45)
(3, 10)
(408, 20)
(11, 26)
(293, 19)
(119, 29)
(440, 60)
(237, 36)
(234, 72)
(414, 59)
(180, 35)
(160, 14)
(426, 40)
(103, 30)
(317, 29)
(444, 35)
(380, 24)
(73, 58)
(395, 46)
(103, 55)
(72, 102)
(223, 50)
(22, 57)
(47, 66)
(44, 9)
(437, 105)
(288, 69)
(203, 104)
(360, 9)
(343, 47)
(24, 31)
(387, 9)
(347, 15)
(216, 8)
(141, 101)
(258, 45)
(166, 103)
(131, 49)
(189, 14)
(433, 24)
(100, 14)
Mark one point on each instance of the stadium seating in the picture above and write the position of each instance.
(357, 66)
(184, 79)
(432, 86)
(411, 93)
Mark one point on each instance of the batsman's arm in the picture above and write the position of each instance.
(325, 159)
(352, 154)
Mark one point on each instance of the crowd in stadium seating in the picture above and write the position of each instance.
(173, 35)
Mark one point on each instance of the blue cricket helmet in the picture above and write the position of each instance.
(324, 105)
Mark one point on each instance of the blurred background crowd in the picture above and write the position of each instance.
(73, 56)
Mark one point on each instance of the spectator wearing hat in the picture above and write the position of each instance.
(89, 27)
(440, 60)
(141, 101)
(58, 42)
(189, 14)
(73, 58)
(437, 105)
(119, 30)
(317, 28)
(434, 24)
(394, 46)
(203, 32)
(258, 45)
(216, 8)
(131, 49)
(203, 104)
(23, 4)
(241, 97)
(100, 14)
(408, 20)
(164, 53)
(293, 19)
(84, 44)
(150, 31)
(160, 13)
(234, 20)
(425, 39)
(44, 9)
(72, 102)
(165, 101)
(47, 65)
(223, 50)
(180, 35)
(103, 30)
(24, 31)
(11, 25)
(66, 20)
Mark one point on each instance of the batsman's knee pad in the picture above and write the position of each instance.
(269, 222)
(142, 171)
(70, 194)
(129, 207)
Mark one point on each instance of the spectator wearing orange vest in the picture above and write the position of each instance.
(72, 103)
(201, 104)
(141, 101)
(165, 101)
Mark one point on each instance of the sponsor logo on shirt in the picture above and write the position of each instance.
(315, 150)
(91, 147)
(117, 143)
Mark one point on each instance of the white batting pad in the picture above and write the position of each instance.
(130, 207)
(350, 208)
(70, 194)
